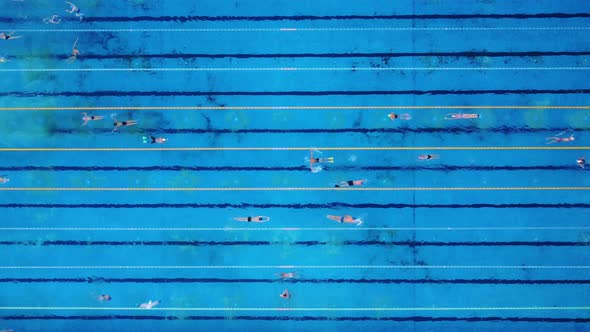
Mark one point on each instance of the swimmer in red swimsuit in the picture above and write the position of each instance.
(346, 219)
(581, 162)
(350, 183)
(75, 53)
(405, 116)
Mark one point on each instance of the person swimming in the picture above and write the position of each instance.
(559, 138)
(149, 304)
(75, 53)
(4, 179)
(104, 298)
(87, 118)
(346, 219)
(253, 219)
(315, 161)
(405, 116)
(285, 294)
(3, 59)
(350, 183)
(154, 140)
(53, 19)
(74, 10)
(119, 124)
(581, 162)
(7, 36)
(287, 275)
(428, 156)
(457, 116)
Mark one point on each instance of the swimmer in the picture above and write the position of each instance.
(581, 162)
(127, 123)
(4, 179)
(149, 304)
(285, 294)
(394, 116)
(154, 140)
(74, 10)
(3, 59)
(87, 118)
(253, 219)
(287, 275)
(560, 139)
(53, 19)
(457, 116)
(75, 53)
(428, 156)
(346, 219)
(7, 36)
(312, 160)
(104, 298)
(350, 183)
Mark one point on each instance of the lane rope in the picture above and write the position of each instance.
(307, 108)
(301, 189)
(299, 267)
(207, 69)
(287, 229)
(358, 148)
(285, 29)
(528, 308)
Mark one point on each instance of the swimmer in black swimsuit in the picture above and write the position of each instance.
(253, 219)
(127, 123)
(154, 140)
(87, 118)
(7, 36)
(285, 294)
(581, 162)
(428, 156)
(53, 19)
(74, 10)
(350, 183)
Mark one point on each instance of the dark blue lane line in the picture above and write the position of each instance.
(204, 18)
(302, 318)
(297, 206)
(91, 280)
(300, 243)
(113, 93)
(444, 168)
(456, 54)
(397, 130)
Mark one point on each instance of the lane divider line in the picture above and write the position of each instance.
(302, 108)
(288, 229)
(358, 148)
(563, 28)
(301, 189)
(299, 267)
(527, 308)
(207, 69)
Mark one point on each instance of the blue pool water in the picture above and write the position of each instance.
(491, 236)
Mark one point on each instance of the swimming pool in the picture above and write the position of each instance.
(492, 235)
